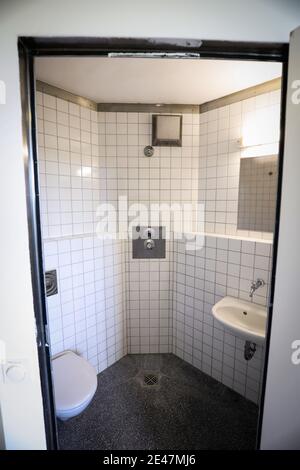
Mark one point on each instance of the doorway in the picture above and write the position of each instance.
(190, 50)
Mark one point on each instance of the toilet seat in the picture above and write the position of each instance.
(75, 383)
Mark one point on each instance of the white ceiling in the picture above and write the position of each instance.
(143, 80)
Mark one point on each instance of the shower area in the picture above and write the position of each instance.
(170, 376)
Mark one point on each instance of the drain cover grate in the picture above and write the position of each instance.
(150, 380)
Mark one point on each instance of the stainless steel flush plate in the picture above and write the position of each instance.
(148, 242)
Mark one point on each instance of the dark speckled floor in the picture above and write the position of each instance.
(188, 410)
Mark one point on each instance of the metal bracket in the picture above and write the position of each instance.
(249, 350)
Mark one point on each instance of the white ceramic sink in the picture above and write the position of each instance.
(244, 319)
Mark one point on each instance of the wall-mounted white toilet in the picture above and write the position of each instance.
(75, 384)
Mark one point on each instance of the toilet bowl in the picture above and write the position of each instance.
(75, 384)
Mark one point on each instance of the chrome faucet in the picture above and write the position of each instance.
(255, 285)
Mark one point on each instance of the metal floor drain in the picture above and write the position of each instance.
(150, 380)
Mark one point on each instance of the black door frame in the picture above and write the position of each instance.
(30, 47)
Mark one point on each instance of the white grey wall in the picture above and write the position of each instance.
(193, 19)
(281, 413)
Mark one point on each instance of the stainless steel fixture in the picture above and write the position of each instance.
(148, 242)
(256, 285)
(167, 130)
(148, 151)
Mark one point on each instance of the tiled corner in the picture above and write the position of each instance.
(110, 304)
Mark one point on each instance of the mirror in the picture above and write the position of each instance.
(257, 193)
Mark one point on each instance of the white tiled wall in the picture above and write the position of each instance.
(68, 166)
(171, 175)
(110, 304)
(89, 313)
(86, 158)
(222, 267)
(220, 153)
(149, 304)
